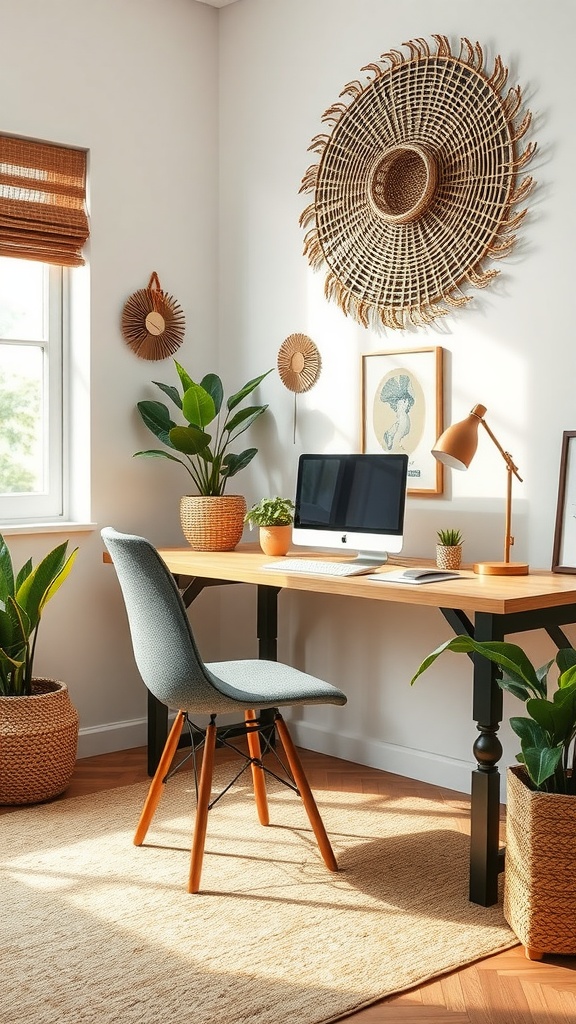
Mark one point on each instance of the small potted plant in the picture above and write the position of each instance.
(540, 884)
(449, 549)
(38, 723)
(210, 519)
(274, 516)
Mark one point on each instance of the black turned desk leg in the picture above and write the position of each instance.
(267, 622)
(267, 631)
(157, 731)
(485, 861)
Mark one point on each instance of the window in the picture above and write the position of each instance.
(43, 226)
(31, 390)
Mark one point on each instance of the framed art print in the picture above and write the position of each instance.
(564, 551)
(402, 411)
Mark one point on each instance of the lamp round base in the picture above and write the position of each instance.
(501, 568)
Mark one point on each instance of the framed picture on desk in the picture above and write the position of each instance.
(564, 551)
(402, 411)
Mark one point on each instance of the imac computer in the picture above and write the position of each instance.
(351, 502)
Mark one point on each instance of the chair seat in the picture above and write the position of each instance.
(266, 684)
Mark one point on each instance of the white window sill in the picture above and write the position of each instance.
(12, 529)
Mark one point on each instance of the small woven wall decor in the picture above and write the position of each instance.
(153, 323)
(299, 366)
(416, 184)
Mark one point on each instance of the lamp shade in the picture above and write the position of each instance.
(457, 446)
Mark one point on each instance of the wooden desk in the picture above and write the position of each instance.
(499, 605)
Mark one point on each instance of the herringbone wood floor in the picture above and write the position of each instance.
(503, 989)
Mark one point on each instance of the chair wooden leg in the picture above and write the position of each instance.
(201, 823)
(157, 784)
(306, 795)
(258, 779)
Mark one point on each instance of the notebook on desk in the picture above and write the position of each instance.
(414, 577)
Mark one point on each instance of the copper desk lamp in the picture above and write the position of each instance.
(456, 448)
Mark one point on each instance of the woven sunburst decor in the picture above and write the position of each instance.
(299, 366)
(153, 322)
(299, 363)
(416, 184)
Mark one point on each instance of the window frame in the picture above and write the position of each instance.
(50, 505)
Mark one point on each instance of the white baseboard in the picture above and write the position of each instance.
(105, 739)
(412, 764)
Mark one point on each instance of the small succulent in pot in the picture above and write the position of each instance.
(449, 538)
(449, 549)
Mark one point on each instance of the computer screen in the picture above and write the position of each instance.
(351, 502)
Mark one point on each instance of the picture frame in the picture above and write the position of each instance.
(564, 548)
(402, 410)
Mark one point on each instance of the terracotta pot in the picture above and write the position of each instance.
(275, 540)
(539, 881)
(448, 556)
(212, 523)
(38, 743)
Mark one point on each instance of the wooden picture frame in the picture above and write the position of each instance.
(564, 549)
(402, 411)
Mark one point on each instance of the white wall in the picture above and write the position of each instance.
(136, 82)
(283, 62)
(198, 123)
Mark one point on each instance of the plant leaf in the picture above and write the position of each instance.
(198, 406)
(531, 734)
(541, 763)
(243, 419)
(189, 440)
(157, 418)
(507, 656)
(6, 571)
(172, 392)
(566, 658)
(213, 385)
(42, 582)
(556, 718)
(157, 453)
(232, 464)
(235, 400)
(185, 378)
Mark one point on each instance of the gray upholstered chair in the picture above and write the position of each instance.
(171, 667)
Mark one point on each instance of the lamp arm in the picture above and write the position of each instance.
(505, 455)
(511, 469)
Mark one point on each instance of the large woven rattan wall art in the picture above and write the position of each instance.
(417, 184)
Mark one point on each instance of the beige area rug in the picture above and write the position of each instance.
(96, 930)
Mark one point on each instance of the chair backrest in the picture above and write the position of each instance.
(164, 647)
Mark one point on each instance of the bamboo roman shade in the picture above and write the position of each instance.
(42, 202)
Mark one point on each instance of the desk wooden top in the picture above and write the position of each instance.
(500, 595)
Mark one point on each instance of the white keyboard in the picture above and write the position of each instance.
(316, 567)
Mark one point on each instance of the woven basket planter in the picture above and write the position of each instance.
(540, 877)
(38, 743)
(212, 523)
(448, 556)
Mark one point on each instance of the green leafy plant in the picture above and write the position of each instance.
(271, 512)
(206, 455)
(23, 598)
(449, 538)
(548, 734)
